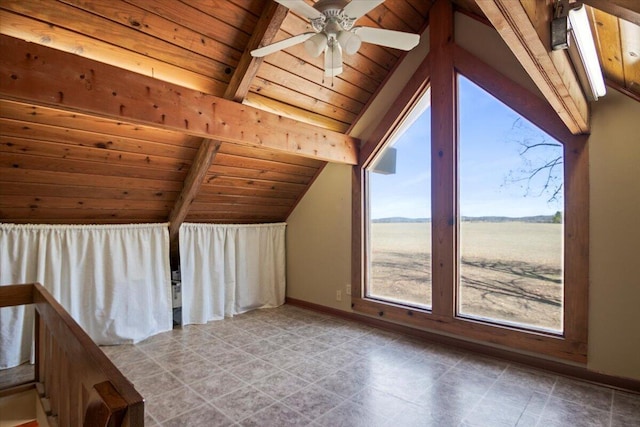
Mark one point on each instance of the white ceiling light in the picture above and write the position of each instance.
(573, 18)
(587, 48)
(349, 41)
(333, 59)
(316, 44)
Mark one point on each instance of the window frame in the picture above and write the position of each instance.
(390, 137)
(450, 60)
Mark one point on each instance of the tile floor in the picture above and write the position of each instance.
(293, 367)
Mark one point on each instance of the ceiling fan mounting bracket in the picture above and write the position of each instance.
(333, 19)
(325, 5)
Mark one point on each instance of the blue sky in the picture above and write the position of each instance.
(490, 160)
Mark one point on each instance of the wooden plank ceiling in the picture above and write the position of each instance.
(60, 164)
(618, 42)
(60, 167)
(67, 157)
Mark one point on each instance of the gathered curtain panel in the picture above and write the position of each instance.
(114, 280)
(230, 269)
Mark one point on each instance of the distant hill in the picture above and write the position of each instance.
(541, 219)
(397, 219)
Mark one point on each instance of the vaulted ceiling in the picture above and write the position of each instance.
(143, 111)
(616, 29)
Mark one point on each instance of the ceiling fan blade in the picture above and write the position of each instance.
(333, 60)
(388, 38)
(358, 8)
(301, 8)
(282, 44)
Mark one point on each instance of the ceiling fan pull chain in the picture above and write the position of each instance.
(333, 46)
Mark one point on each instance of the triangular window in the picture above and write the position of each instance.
(511, 209)
(399, 220)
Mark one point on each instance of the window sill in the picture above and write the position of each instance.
(538, 342)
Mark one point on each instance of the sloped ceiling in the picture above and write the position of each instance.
(616, 29)
(62, 164)
(68, 157)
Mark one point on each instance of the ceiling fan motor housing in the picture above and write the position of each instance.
(335, 24)
(332, 16)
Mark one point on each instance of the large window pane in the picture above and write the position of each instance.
(399, 220)
(511, 215)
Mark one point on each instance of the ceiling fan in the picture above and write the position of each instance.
(333, 22)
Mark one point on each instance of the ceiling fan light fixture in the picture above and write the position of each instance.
(350, 42)
(316, 45)
(333, 60)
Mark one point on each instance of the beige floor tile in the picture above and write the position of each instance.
(293, 367)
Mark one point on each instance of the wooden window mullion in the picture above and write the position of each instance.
(443, 160)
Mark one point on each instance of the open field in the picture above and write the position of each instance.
(510, 271)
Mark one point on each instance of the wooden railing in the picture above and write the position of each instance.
(79, 385)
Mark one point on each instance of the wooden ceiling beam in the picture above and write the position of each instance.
(264, 33)
(276, 107)
(629, 10)
(47, 77)
(203, 160)
(524, 26)
(30, 26)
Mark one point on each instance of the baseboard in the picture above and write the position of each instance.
(557, 367)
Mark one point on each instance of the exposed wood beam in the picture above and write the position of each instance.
(203, 160)
(264, 33)
(276, 107)
(31, 26)
(629, 10)
(524, 26)
(48, 77)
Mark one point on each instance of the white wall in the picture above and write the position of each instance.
(474, 37)
(319, 241)
(318, 234)
(614, 297)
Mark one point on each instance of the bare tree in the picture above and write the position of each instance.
(541, 172)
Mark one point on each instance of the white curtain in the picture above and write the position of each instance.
(114, 280)
(230, 269)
